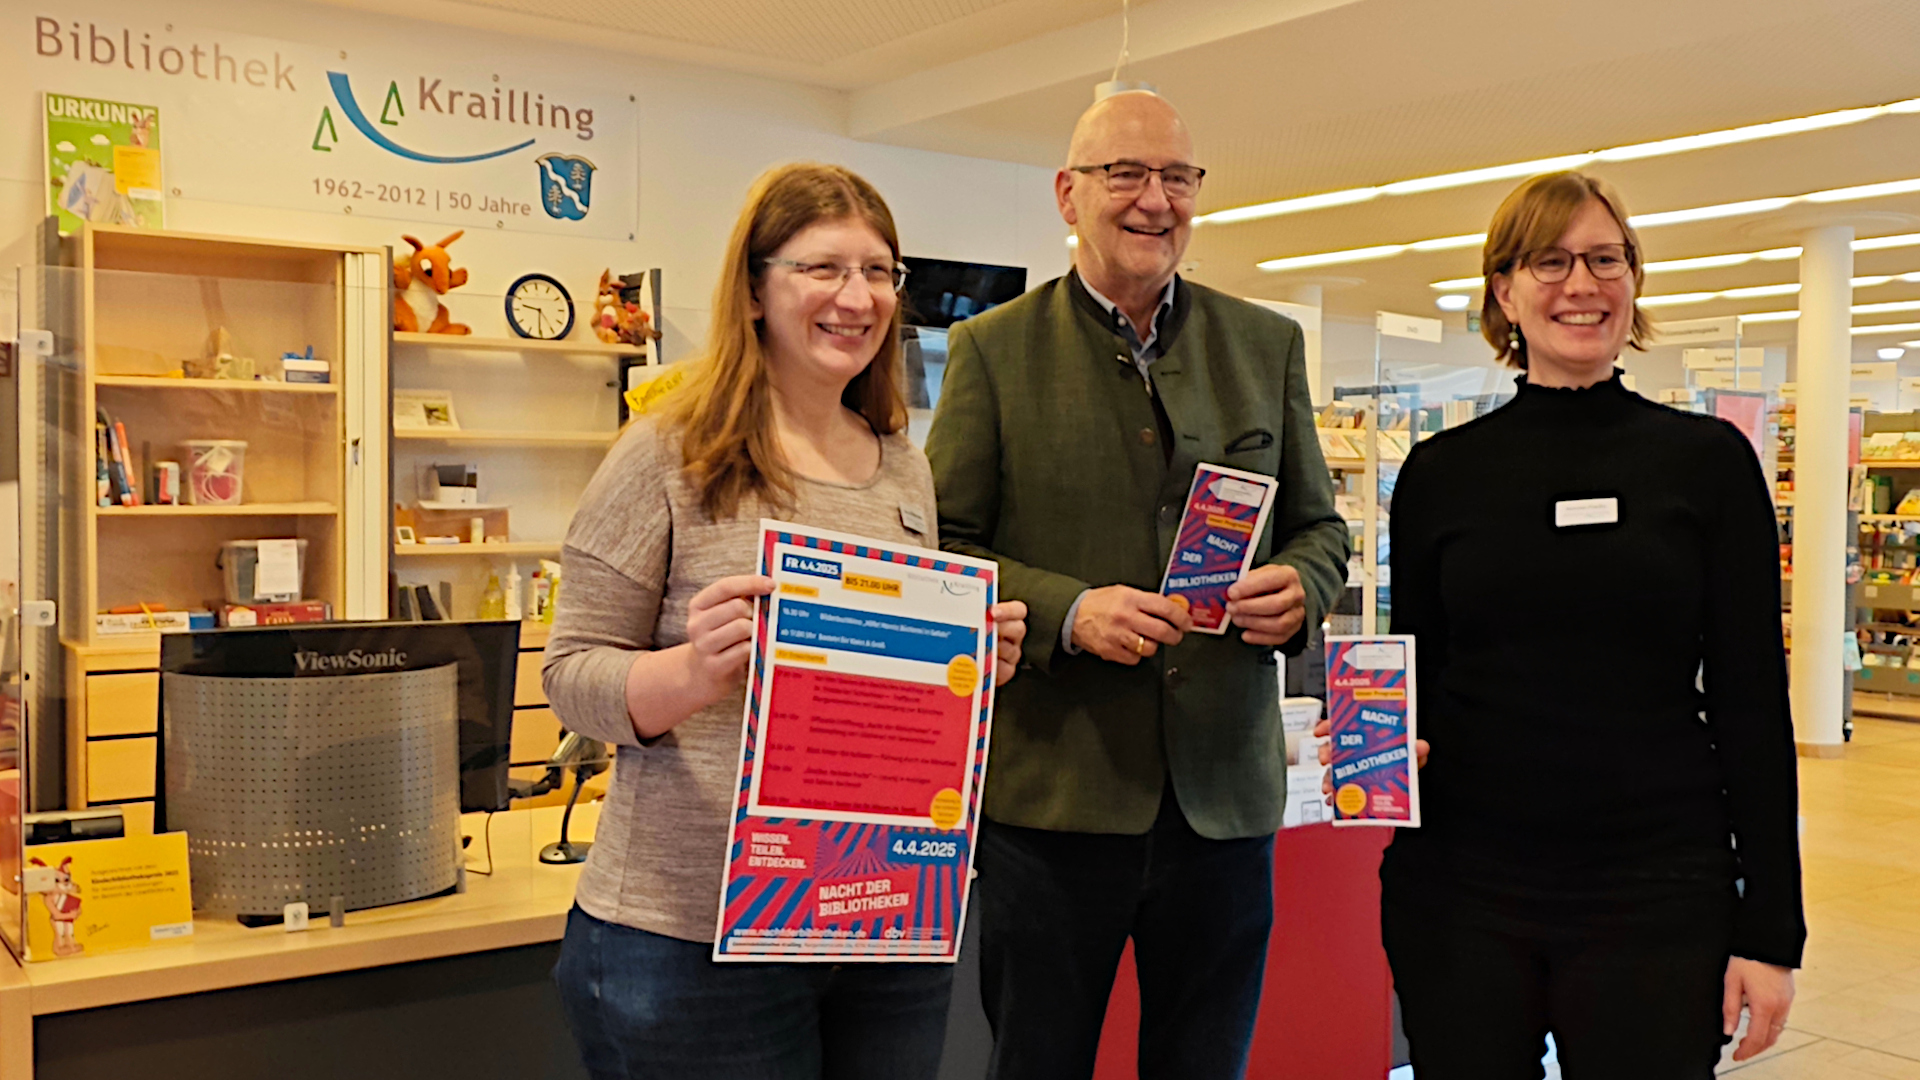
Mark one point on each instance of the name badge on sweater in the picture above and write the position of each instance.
(1571, 513)
(913, 519)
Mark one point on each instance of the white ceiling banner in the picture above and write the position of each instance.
(381, 127)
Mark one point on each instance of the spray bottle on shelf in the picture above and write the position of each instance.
(547, 597)
(514, 609)
(493, 602)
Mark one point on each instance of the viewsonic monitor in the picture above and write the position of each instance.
(486, 655)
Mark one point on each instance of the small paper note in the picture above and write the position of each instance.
(278, 571)
(136, 169)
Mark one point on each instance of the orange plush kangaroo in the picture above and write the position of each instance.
(426, 276)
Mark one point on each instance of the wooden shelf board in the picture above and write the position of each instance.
(298, 509)
(1874, 464)
(509, 438)
(161, 382)
(1346, 463)
(242, 246)
(517, 547)
(1890, 517)
(569, 347)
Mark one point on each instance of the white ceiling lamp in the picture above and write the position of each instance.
(1455, 302)
(1891, 352)
(1118, 85)
(1521, 169)
(1755, 292)
(1638, 221)
(1885, 328)
(1714, 262)
(1790, 316)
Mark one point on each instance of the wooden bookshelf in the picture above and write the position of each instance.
(516, 547)
(536, 418)
(141, 304)
(298, 509)
(510, 438)
(216, 386)
(569, 347)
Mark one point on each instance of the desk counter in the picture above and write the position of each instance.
(521, 903)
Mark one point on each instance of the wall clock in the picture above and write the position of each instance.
(538, 307)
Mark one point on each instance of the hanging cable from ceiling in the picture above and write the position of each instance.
(1116, 85)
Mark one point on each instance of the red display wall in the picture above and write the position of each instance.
(1327, 1009)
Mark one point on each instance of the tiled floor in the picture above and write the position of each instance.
(1856, 1013)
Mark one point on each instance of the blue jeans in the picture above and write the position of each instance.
(647, 1007)
(1056, 909)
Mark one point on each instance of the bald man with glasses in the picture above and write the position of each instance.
(1137, 773)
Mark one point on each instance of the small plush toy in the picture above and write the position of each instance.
(618, 322)
(606, 310)
(423, 278)
(63, 904)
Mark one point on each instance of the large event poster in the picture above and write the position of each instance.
(1370, 704)
(869, 706)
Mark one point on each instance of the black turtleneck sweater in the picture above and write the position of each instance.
(1574, 753)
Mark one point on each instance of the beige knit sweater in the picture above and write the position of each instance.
(638, 550)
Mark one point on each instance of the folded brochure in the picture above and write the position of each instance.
(1370, 702)
(1226, 509)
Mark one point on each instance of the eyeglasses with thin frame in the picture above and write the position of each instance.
(1606, 262)
(1129, 177)
(880, 277)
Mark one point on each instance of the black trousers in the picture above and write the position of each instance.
(1632, 994)
(1056, 909)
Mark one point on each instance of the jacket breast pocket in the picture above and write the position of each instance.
(1257, 451)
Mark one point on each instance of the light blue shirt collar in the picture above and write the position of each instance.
(1143, 347)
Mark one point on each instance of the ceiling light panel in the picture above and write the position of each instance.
(1638, 221)
(1522, 169)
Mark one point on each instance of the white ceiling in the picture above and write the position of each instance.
(1294, 97)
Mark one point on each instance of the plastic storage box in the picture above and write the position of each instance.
(239, 560)
(215, 469)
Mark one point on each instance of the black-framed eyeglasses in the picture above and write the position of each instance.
(881, 277)
(1128, 177)
(1606, 262)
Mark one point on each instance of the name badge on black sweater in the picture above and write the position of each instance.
(1599, 512)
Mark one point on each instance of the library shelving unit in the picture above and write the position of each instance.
(534, 420)
(1887, 601)
(138, 306)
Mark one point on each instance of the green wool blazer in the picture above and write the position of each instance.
(1046, 458)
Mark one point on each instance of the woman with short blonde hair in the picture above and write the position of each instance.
(795, 412)
(1608, 850)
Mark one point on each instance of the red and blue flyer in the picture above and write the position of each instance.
(1226, 509)
(1371, 704)
(863, 752)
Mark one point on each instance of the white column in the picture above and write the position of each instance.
(1820, 489)
(1312, 296)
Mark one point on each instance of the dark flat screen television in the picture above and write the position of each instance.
(941, 292)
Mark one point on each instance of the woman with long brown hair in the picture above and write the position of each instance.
(794, 412)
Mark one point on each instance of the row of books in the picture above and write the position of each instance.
(117, 472)
(1347, 444)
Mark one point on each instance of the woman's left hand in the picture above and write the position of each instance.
(1010, 622)
(1768, 992)
(1324, 728)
